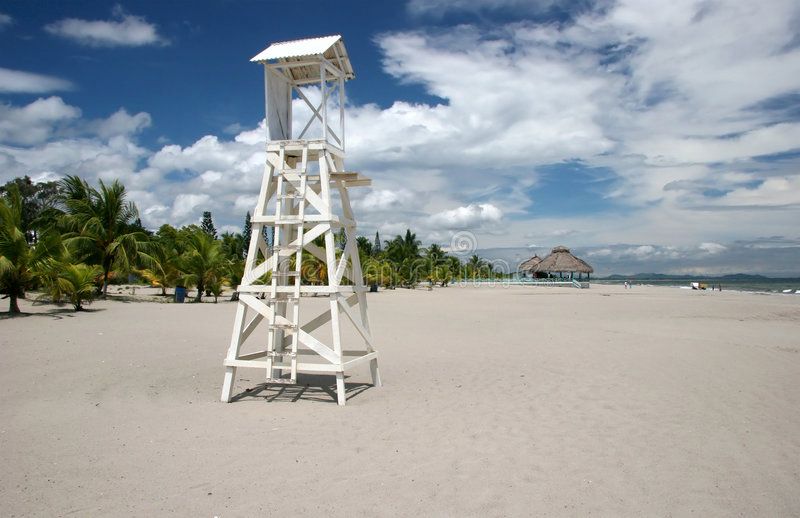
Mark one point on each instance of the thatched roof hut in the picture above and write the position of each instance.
(530, 264)
(561, 260)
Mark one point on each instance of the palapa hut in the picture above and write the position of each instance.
(561, 261)
(526, 267)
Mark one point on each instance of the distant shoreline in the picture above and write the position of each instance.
(762, 285)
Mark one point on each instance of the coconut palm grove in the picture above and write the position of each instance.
(69, 240)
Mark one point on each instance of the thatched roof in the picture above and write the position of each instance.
(561, 260)
(530, 264)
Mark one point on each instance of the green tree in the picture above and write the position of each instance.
(379, 272)
(341, 239)
(203, 259)
(18, 260)
(247, 232)
(208, 225)
(98, 223)
(376, 246)
(401, 248)
(475, 265)
(454, 267)
(234, 273)
(215, 285)
(233, 245)
(409, 271)
(166, 233)
(364, 246)
(76, 282)
(434, 254)
(161, 264)
(436, 270)
(39, 205)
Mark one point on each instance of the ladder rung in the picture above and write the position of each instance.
(310, 177)
(285, 274)
(288, 221)
(279, 354)
(281, 248)
(282, 381)
(282, 326)
(279, 297)
(292, 171)
(281, 367)
(292, 196)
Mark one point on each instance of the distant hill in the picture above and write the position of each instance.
(740, 277)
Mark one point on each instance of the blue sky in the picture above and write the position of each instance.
(640, 133)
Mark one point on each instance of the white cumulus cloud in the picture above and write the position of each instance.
(18, 81)
(35, 122)
(125, 30)
(121, 123)
(712, 248)
(5, 21)
(187, 204)
(467, 217)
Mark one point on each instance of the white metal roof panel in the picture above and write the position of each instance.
(331, 48)
(297, 48)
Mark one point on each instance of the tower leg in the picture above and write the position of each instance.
(341, 396)
(233, 352)
(227, 384)
(376, 374)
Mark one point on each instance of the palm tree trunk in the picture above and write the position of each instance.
(13, 306)
(106, 270)
(200, 289)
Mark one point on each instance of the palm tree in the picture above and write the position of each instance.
(77, 283)
(203, 260)
(364, 246)
(401, 248)
(454, 266)
(99, 223)
(378, 272)
(475, 265)
(234, 270)
(161, 265)
(411, 244)
(18, 260)
(233, 245)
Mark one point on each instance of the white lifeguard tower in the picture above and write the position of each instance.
(297, 198)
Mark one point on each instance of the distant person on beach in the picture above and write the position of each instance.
(626, 285)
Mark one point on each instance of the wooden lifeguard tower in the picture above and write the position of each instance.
(298, 199)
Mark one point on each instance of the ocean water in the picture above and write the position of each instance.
(761, 285)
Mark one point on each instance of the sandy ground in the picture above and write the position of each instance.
(496, 402)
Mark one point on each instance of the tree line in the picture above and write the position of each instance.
(71, 240)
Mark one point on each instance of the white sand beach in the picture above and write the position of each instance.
(513, 401)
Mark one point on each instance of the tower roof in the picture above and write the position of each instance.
(330, 48)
